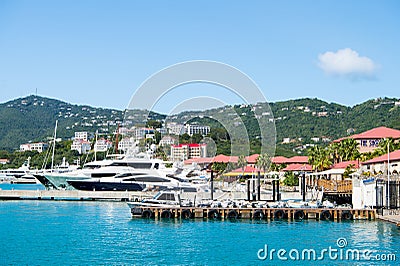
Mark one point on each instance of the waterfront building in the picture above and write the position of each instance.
(188, 151)
(38, 146)
(291, 160)
(379, 165)
(369, 140)
(370, 183)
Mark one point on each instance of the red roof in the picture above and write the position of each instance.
(252, 159)
(393, 156)
(247, 169)
(278, 159)
(375, 133)
(298, 167)
(343, 165)
(199, 160)
(225, 159)
(295, 159)
(298, 159)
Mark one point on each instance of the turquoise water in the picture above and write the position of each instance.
(103, 233)
(5, 186)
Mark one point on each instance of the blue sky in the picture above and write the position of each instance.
(99, 52)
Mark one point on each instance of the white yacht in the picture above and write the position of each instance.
(136, 179)
(110, 170)
(21, 175)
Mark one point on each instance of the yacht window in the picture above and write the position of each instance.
(156, 165)
(167, 196)
(103, 174)
(140, 165)
(119, 164)
(123, 175)
(151, 179)
(129, 174)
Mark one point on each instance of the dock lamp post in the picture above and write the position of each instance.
(388, 176)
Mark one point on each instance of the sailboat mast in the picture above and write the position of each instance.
(116, 139)
(95, 146)
(54, 145)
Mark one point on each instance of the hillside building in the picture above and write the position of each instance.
(175, 129)
(83, 135)
(167, 140)
(80, 145)
(38, 146)
(196, 129)
(127, 144)
(188, 151)
(102, 145)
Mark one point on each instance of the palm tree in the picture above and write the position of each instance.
(383, 146)
(242, 162)
(319, 158)
(334, 152)
(263, 162)
(348, 150)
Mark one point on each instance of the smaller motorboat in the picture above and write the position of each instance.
(162, 199)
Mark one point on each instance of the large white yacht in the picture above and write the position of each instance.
(138, 166)
(134, 180)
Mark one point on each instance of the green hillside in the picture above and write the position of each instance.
(299, 122)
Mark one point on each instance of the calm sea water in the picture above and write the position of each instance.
(103, 233)
(6, 186)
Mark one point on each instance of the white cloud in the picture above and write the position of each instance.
(347, 63)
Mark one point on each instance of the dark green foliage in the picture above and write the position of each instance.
(291, 179)
(33, 118)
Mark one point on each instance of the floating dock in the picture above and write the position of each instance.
(252, 213)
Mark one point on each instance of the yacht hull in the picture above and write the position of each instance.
(60, 181)
(104, 186)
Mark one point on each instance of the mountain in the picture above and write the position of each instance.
(298, 122)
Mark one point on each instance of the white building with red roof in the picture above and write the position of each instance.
(37, 146)
(80, 145)
(371, 191)
(102, 145)
(380, 164)
(369, 140)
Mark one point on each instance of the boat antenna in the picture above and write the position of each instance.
(54, 145)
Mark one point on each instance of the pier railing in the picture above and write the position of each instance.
(342, 186)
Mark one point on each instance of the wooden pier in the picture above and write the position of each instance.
(253, 213)
(73, 195)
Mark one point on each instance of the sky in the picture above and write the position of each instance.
(100, 52)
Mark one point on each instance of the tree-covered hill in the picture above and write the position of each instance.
(298, 122)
